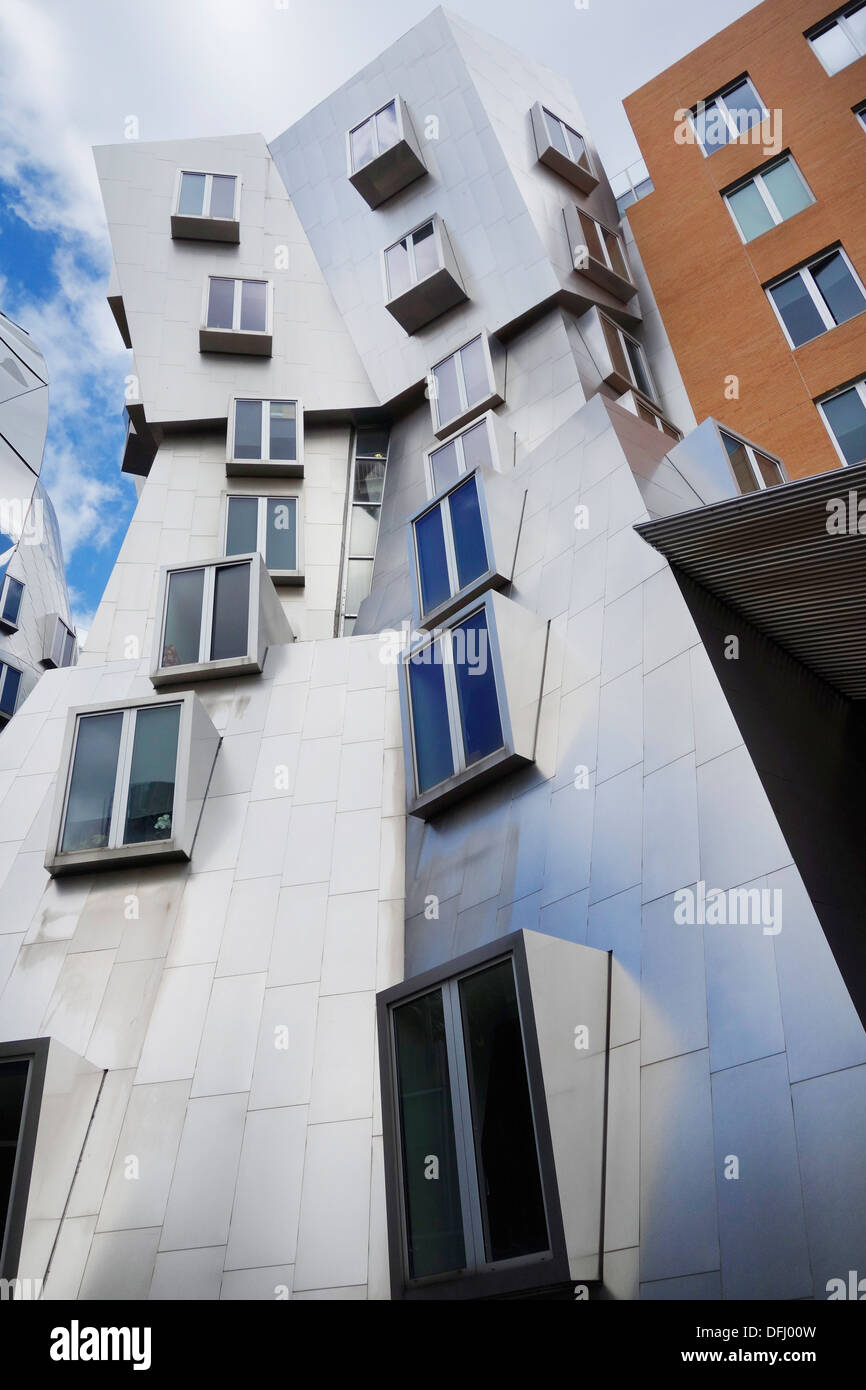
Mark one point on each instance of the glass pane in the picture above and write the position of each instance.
(91, 786)
(13, 1089)
(426, 251)
(476, 688)
(615, 348)
(231, 608)
(856, 20)
(371, 442)
(369, 480)
(476, 446)
(430, 728)
(68, 649)
(12, 600)
(750, 210)
(744, 106)
(638, 367)
(469, 545)
(615, 255)
(221, 301)
(281, 539)
(182, 640)
(151, 779)
(576, 146)
(242, 527)
(386, 127)
(399, 271)
(746, 480)
(348, 626)
(9, 689)
(787, 189)
(191, 200)
(557, 134)
(713, 130)
(365, 525)
(248, 430)
(768, 469)
(254, 305)
(434, 1224)
(475, 378)
(509, 1181)
(842, 294)
(798, 311)
(359, 577)
(835, 49)
(447, 390)
(591, 236)
(432, 563)
(284, 430)
(444, 464)
(222, 198)
(847, 415)
(362, 144)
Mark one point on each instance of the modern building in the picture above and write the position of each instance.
(36, 630)
(758, 140)
(423, 887)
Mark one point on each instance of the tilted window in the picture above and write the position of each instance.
(598, 252)
(11, 594)
(816, 298)
(206, 207)
(269, 525)
(766, 199)
(59, 647)
(464, 384)
(10, 684)
(631, 401)
(844, 414)
(752, 468)
(366, 490)
(422, 280)
(216, 619)
(265, 436)
(562, 148)
(237, 316)
(132, 781)
(728, 115)
(841, 39)
(483, 443)
(383, 154)
(628, 358)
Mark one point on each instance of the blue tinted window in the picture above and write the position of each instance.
(432, 561)
(9, 689)
(476, 688)
(468, 532)
(12, 601)
(430, 726)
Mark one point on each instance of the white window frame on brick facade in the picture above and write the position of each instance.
(758, 180)
(860, 388)
(840, 20)
(718, 100)
(804, 273)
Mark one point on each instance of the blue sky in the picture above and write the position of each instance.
(71, 74)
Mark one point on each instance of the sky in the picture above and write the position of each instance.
(73, 71)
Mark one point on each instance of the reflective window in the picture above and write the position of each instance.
(11, 593)
(206, 614)
(375, 135)
(567, 141)
(242, 525)
(207, 195)
(450, 547)
(366, 490)
(241, 305)
(266, 430)
(728, 116)
(461, 381)
(817, 298)
(752, 469)
(841, 40)
(13, 1093)
(434, 760)
(463, 1096)
(10, 682)
(412, 259)
(122, 782)
(768, 198)
(467, 450)
(845, 417)
(476, 689)
(627, 357)
(266, 524)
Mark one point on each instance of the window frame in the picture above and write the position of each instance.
(396, 103)
(8, 624)
(804, 272)
(56, 622)
(491, 421)
(522, 1273)
(839, 19)
(351, 502)
(204, 669)
(265, 466)
(185, 224)
(391, 170)
(637, 404)
(197, 739)
(757, 177)
(433, 221)
(718, 99)
(603, 272)
(858, 385)
(7, 665)
(583, 176)
(256, 342)
(444, 428)
(279, 576)
(751, 449)
(624, 336)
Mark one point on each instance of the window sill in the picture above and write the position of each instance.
(205, 671)
(6, 626)
(390, 172)
(458, 421)
(264, 468)
(235, 340)
(426, 301)
(287, 579)
(86, 860)
(466, 783)
(184, 227)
